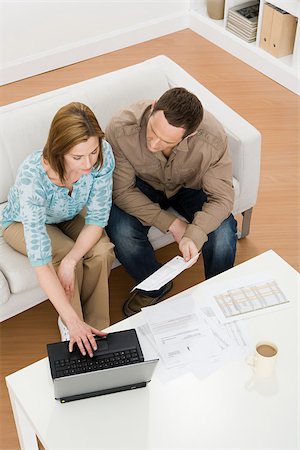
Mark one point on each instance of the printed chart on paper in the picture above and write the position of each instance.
(250, 298)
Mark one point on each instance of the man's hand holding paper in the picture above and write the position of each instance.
(186, 245)
(189, 250)
(166, 273)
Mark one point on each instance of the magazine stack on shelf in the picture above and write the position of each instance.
(242, 20)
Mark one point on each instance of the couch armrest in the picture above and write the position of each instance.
(4, 289)
(245, 156)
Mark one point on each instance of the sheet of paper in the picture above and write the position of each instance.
(244, 297)
(226, 333)
(166, 273)
(146, 339)
(232, 339)
(164, 372)
(175, 326)
(189, 338)
(248, 300)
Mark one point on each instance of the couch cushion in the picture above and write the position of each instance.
(4, 289)
(17, 269)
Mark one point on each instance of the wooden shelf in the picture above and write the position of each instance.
(285, 71)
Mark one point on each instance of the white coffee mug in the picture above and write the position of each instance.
(264, 359)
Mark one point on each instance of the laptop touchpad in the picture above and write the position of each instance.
(102, 345)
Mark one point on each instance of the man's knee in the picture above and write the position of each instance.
(124, 229)
(224, 238)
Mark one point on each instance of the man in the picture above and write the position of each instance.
(170, 153)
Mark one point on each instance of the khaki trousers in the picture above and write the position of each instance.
(91, 295)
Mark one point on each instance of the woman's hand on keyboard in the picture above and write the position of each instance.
(83, 335)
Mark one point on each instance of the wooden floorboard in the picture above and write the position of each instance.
(271, 108)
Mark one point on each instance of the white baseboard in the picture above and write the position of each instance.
(69, 54)
(82, 50)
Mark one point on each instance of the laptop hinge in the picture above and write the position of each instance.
(104, 392)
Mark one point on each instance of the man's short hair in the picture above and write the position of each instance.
(181, 109)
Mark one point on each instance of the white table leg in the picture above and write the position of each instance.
(26, 434)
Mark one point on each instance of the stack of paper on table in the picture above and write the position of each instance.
(188, 336)
(200, 334)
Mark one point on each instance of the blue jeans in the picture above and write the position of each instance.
(134, 251)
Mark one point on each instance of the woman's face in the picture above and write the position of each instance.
(82, 157)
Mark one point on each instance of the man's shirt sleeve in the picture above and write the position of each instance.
(217, 184)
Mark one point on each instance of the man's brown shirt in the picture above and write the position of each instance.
(198, 162)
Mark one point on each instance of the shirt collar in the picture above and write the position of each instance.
(182, 146)
(143, 119)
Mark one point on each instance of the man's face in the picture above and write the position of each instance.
(160, 135)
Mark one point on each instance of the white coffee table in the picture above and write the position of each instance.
(217, 412)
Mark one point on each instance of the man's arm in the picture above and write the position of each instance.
(186, 245)
(217, 184)
(125, 193)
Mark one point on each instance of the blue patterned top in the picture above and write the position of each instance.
(36, 201)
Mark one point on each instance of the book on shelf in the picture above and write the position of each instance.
(246, 37)
(235, 22)
(248, 24)
(242, 20)
(246, 12)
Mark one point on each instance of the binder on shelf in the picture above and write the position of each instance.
(278, 31)
(266, 27)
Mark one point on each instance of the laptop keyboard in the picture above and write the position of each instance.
(66, 367)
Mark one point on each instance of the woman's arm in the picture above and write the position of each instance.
(80, 332)
(87, 238)
(33, 199)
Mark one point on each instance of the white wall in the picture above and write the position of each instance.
(37, 36)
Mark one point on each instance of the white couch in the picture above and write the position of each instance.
(24, 127)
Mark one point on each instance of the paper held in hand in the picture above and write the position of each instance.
(166, 273)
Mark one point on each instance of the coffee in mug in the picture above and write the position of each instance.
(264, 359)
(266, 350)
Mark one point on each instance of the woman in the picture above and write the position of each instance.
(71, 254)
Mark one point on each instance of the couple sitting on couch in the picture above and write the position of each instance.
(154, 155)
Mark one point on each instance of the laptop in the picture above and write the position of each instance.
(117, 365)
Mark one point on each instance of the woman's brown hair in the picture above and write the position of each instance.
(72, 124)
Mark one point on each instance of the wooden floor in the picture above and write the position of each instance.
(271, 108)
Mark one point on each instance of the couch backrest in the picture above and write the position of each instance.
(24, 125)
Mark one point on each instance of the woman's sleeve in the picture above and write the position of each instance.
(100, 199)
(33, 217)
